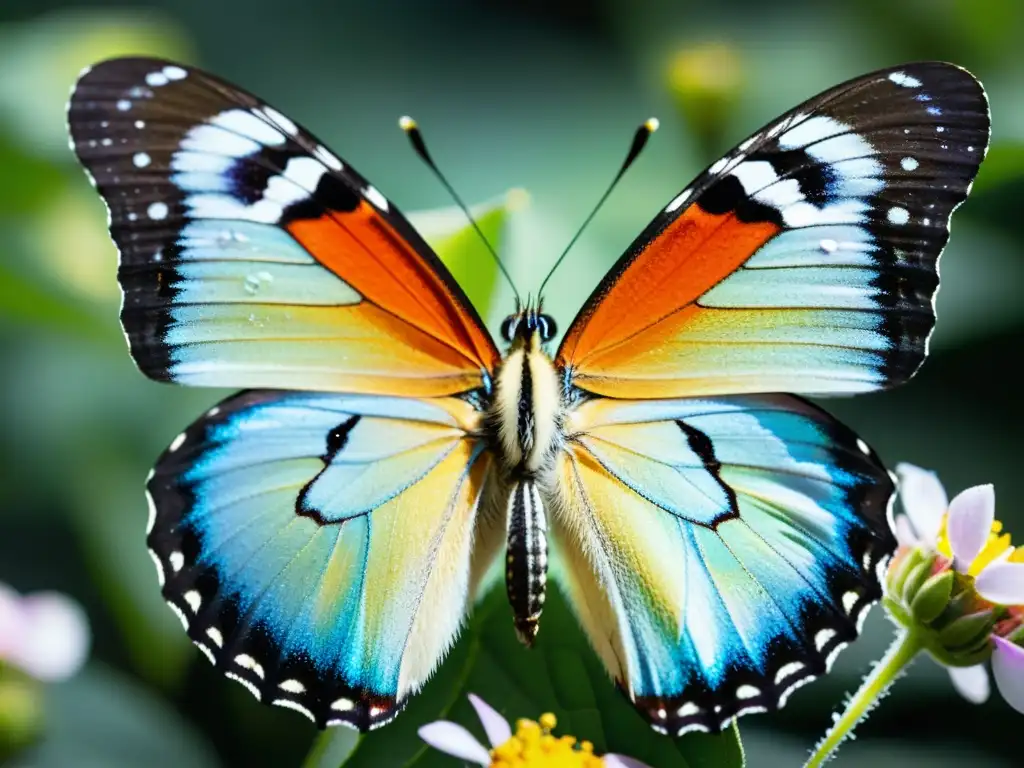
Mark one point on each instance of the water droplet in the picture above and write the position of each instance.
(256, 282)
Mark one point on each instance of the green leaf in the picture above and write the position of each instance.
(26, 301)
(1003, 163)
(561, 674)
(459, 245)
(332, 748)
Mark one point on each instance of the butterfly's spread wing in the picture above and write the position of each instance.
(803, 261)
(719, 551)
(317, 547)
(251, 256)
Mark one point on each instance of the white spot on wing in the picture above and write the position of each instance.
(907, 81)
(179, 613)
(823, 638)
(375, 197)
(850, 600)
(748, 692)
(718, 165)
(177, 561)
(245, 661)
(289, 704)
(863, 447)
(249, 686)
(159, 566)
(157, 211)
(292, 686)
(156, 79)
(282, 122)
(206, 652)
(688, 709)
(141, 159)
(678, 201)
(194, 599)
(215, 636)
(897, 215)
(245, 123)
(123, 105)
(327, 157)
(343, 705)
(787, 670)
(172, 72)
(909, 164)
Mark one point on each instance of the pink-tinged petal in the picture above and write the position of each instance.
(971, 682)
(1002, 583)
(971, 515)
(1008, 670)
(621, 761)
(454, 740)
(924, 500)
(904, 531)
(495, 726)
(56, 637)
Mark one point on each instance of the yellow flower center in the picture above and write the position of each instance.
(996, 544)
(534, 746)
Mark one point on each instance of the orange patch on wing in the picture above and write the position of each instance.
(693, 254)
(365, 251)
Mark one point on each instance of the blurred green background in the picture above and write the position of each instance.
(529, 94)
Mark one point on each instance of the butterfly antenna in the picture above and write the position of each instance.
(643, 133)
(412, 130)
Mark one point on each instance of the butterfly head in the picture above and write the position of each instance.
(527, 323)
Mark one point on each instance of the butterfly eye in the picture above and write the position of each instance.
(508, 327)
(546, 326)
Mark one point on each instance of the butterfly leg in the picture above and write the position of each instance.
(526, 561)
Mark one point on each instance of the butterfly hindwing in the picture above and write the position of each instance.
(805, 260)
(317, 547)
(251, 256)
(720, 551)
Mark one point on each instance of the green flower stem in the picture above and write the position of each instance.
(331, 748)
(903, 650)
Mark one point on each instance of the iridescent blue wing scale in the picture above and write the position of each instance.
(317, 547)
(720, 551)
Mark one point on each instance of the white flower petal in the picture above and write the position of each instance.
(55, 637)
(1002, 583)
(971, 515)
(454, 740)
(924, 500)
(971, 682)
(621, 761)
(904, 531)
(1008, 670)
(495, 726)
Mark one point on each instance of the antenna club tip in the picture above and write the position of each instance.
(407, 124)
(652, 124)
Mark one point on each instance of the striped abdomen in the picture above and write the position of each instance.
(526, 563)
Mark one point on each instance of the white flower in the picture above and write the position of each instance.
(514, 749)
(966, 532)
(46, 634)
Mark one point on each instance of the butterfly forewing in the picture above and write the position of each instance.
(805, 260)
(252, 256)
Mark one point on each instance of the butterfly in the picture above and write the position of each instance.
(323, 533)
